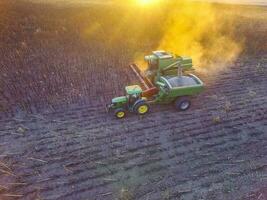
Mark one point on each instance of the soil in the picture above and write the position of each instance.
(58, 142)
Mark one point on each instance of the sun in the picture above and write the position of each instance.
(146, 2)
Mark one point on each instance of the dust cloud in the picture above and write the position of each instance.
(200, 31)
(184, 27)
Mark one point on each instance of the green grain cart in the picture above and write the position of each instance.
(166, 80)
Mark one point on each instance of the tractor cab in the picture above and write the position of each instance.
(162, 63)
(154, 59)
(133, 94)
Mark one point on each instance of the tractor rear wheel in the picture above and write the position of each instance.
(182, 103)
(142, 108)
(120, 113)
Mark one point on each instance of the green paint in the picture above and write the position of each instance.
(122, 99)
(168, 94)
(133, 89)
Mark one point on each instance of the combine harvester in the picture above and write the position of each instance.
(163, 83)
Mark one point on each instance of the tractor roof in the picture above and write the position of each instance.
(162, 54)
(133, 89)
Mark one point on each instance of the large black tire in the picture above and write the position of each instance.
(120, 113)
(141, 108)
(182, 103)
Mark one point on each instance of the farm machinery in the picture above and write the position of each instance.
(166, 80)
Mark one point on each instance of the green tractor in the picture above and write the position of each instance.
(132, 101)
(163, 83)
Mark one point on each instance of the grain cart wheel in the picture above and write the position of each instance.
(120, 113)
(142, 108)
(182, 104)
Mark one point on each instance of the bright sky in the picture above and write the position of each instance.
(252, 2)
(245, 2)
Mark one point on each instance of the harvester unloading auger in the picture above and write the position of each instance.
(163, 83)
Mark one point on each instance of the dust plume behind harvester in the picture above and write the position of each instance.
(196, 29)
(162, 83)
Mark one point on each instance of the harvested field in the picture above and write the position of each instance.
(57, 141)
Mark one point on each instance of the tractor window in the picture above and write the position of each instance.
(152, 64)
(133, 98)
(164, 53)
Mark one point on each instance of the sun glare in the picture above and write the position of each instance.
(146, 2)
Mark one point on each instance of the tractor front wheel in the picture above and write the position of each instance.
(120, 113)
(182, 104)
(142, 108)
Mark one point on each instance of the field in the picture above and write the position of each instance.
(59, 66)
